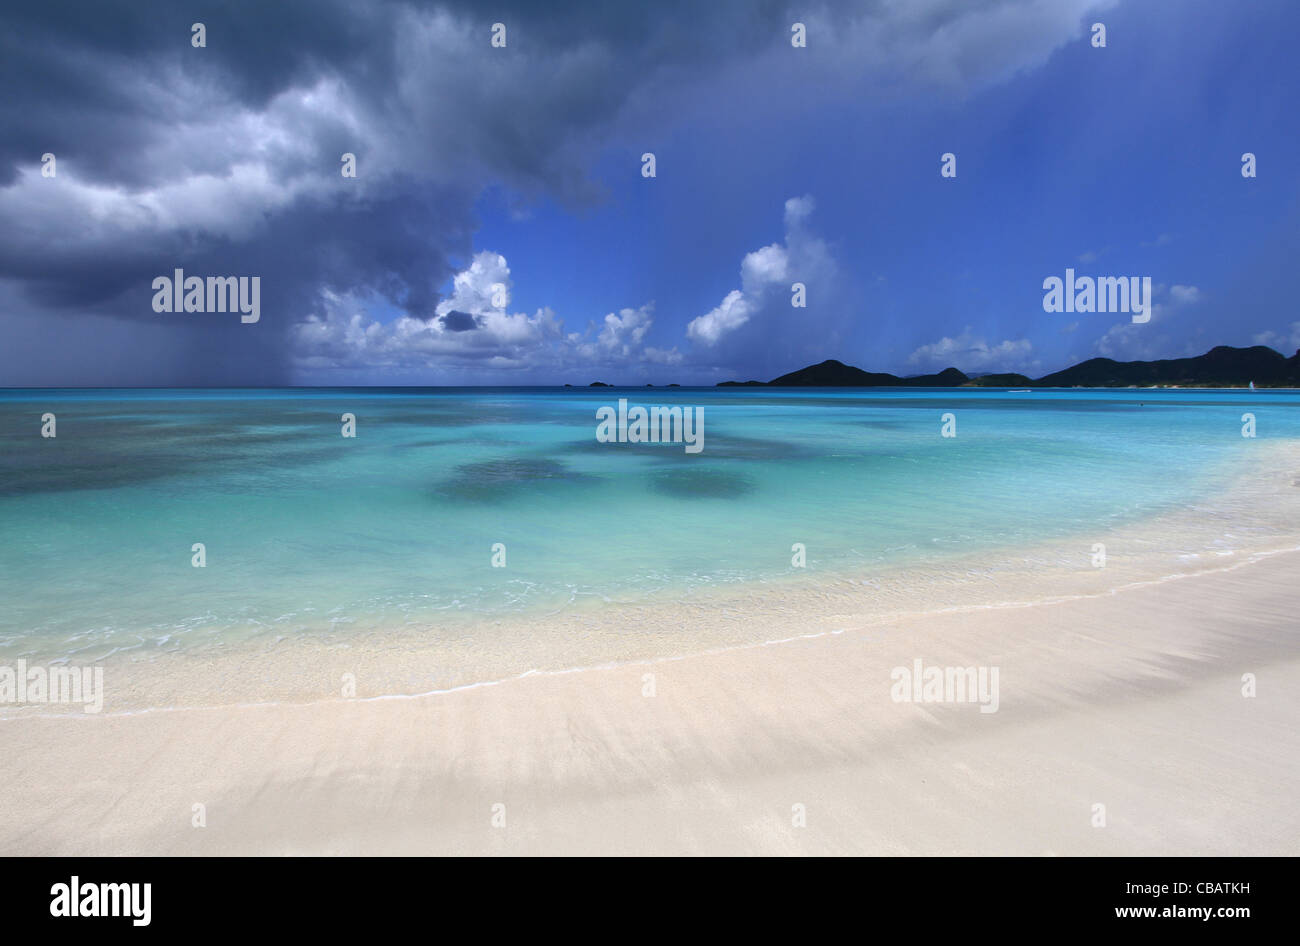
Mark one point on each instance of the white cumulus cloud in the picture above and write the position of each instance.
(766, 277)
(472, 326)
(1144, 341)
(973, 355)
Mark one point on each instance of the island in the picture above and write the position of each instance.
(1220, 367)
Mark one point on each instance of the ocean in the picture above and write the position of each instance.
(308, 534)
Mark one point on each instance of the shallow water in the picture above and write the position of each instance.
(310, 533)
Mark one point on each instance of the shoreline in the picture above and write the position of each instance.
(1132, 700)
(1262, 517)
(404, 661)
(650, 661)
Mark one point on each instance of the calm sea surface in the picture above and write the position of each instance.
(308, 532)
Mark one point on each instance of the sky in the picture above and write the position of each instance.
(500, 228)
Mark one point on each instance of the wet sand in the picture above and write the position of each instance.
(1132, 700)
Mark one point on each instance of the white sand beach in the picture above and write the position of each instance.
(1132, 700)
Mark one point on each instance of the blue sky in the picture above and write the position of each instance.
(774, 164)
(1117, 161)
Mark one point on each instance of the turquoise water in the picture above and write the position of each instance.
(307, 532)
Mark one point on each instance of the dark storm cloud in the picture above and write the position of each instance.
(92, 81)
(225, 160)
(459, 322)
